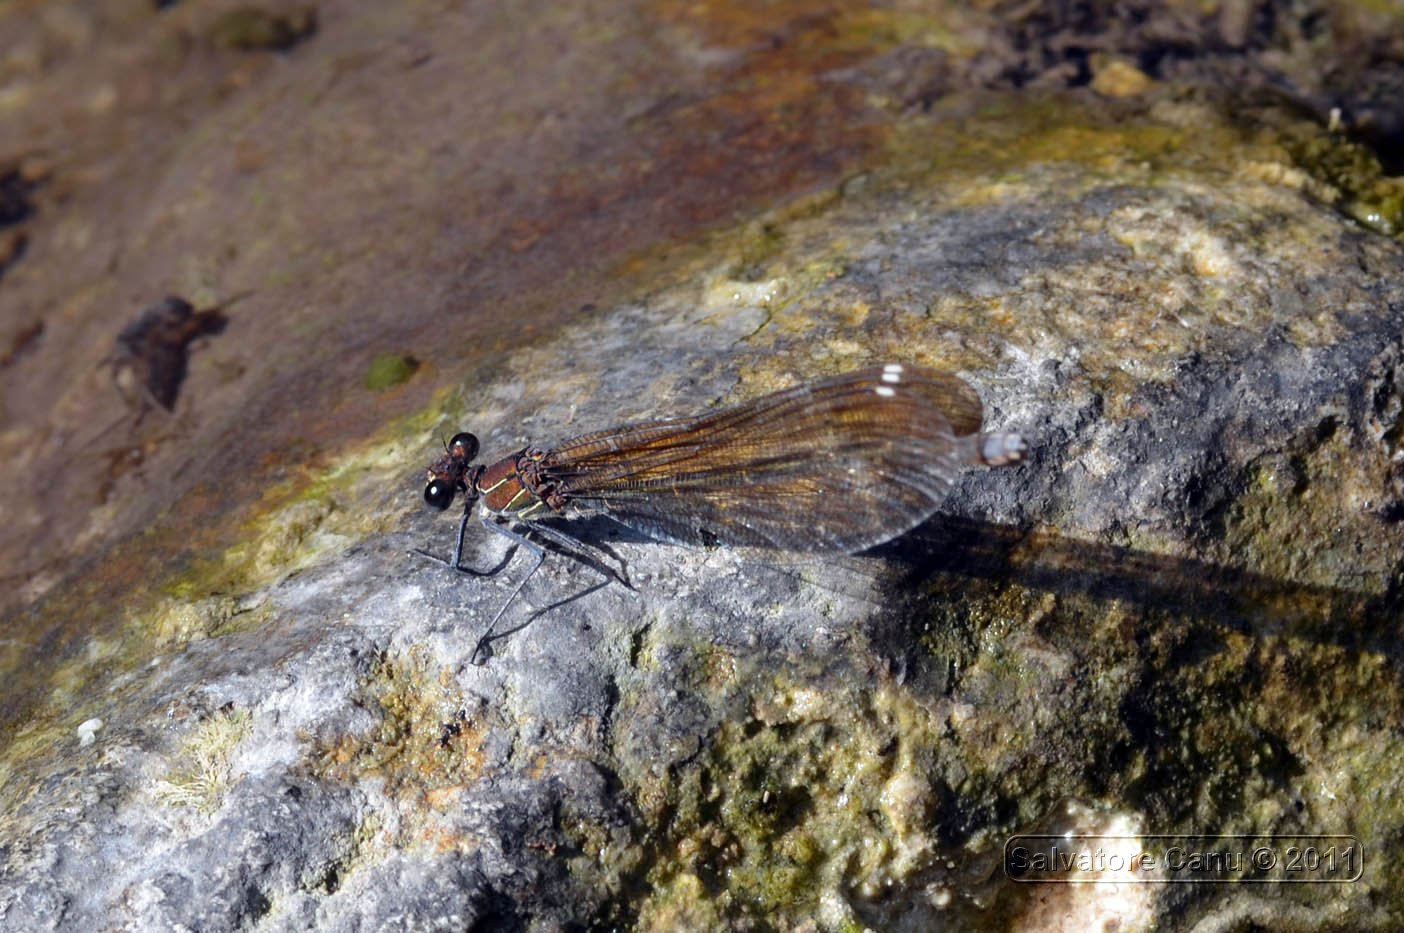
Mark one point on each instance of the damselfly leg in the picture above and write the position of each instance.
(572, 546)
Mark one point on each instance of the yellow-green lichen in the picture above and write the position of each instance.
(426, 746)
(813, 796)
(200, 774)
(1312, 518)
(249, 28)
(307, 517)
(175, 622)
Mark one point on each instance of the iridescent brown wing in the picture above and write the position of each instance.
(837, 465)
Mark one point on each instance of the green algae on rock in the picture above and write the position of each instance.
(390, 369)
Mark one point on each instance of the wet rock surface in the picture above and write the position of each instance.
(1179, 616)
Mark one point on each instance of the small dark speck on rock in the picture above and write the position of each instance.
(14, 197)
(21, 342)
(12, 246)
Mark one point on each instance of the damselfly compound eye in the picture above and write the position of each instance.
(439, 493)
(464, 445)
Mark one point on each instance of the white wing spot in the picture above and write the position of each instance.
(885, 391)
(891, 377)
(893, 368)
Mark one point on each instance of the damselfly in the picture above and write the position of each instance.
(838, 465)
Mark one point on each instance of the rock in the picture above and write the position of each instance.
(1178, 616)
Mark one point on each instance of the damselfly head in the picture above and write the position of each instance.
(446, 477)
